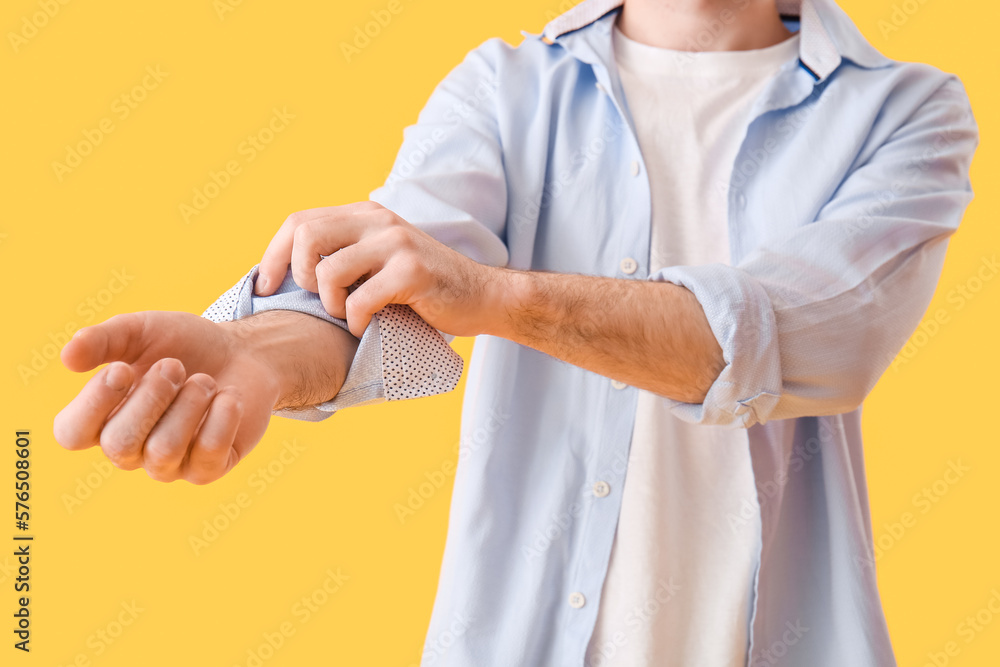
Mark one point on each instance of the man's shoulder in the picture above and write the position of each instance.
(901, 85)
(531, 58)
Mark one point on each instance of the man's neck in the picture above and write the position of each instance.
(703, 25)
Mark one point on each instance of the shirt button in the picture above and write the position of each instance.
(600, 86)
(601, 489)
(617, 384)
(741, 200)
(635, 168)
(576, 600)
(628, 266)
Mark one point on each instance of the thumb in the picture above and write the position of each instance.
(274, 263)
(119, 338)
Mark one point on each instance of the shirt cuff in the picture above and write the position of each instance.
(742, 319)
(399, 356)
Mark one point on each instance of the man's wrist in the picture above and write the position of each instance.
(305, 359)
(509, 291)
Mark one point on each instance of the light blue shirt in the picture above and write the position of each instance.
(852, 175)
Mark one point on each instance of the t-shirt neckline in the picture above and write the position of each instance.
(637, 57)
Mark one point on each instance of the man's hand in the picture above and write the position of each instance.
(186, 398)
(652, 335)
(331, 248)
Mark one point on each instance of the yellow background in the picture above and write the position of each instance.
(332, 507)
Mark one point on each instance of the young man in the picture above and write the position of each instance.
(727, 216)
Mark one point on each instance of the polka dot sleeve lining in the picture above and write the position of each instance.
(399, 356)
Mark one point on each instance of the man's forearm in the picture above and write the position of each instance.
(650, 335)
(309, 357)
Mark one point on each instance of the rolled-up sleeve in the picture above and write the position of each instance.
(809, 323)
(399, 356)
(448, 179)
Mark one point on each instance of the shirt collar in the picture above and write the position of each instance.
(828, 35)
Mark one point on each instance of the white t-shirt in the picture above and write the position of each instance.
(679, 586)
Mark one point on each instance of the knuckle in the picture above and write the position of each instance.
(308, 236)
(398, 236)
(66, 436)
(160, 452)
(210, 442)
(294, 220)
(325, 269)
(302, 235)
(200, 477)
(386, 217)
(409, 267)
(118, 444)
(121, 318)
(160, 474)
(119, 460)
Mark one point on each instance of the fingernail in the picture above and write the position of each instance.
(117, 377)
(261, 285)
(206, 383)
(172, 374)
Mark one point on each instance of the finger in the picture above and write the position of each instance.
(118, 338)
(212, 453)
(124, 435)
(316, 239)
(78, 425)
(274, 264)
(372, 296)
(168, 442)
(278, 256)
(336, 273)
(340, 229)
